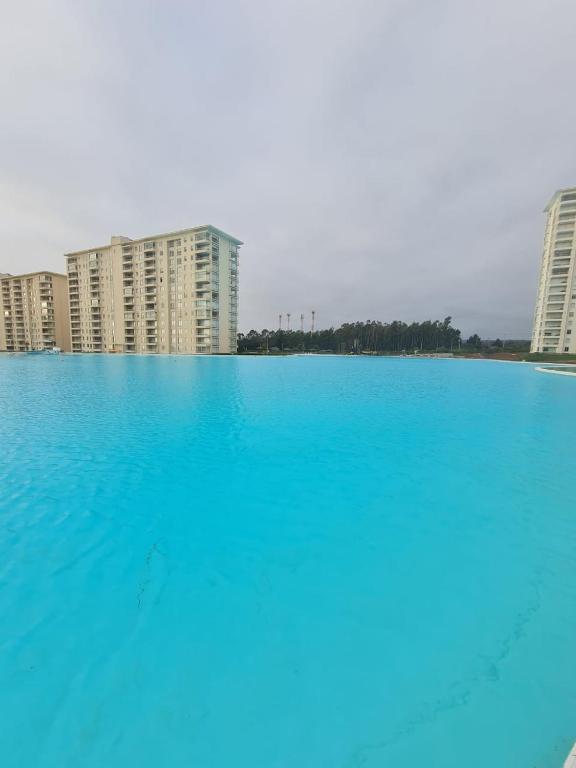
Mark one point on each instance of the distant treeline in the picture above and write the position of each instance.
(370, 336)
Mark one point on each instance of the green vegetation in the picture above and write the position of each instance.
(369, 337)
(375, 337)
(547, 357)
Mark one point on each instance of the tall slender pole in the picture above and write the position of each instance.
(288, 323)
(279, 322)
(301, 323)
(313, 316)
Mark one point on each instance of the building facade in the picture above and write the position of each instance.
(170, 293)
(554, 318)
(34, 312)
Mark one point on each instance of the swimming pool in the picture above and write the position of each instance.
(278, 562)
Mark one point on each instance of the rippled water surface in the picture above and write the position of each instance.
(286, 563)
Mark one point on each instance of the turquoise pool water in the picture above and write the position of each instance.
(286, 562)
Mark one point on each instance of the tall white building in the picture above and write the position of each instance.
(171, 293)
(554, 318)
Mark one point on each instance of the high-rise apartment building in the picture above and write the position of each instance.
(554, 318)
(34, 312)
(170, 293)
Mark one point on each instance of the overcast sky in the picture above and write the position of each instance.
(383, 159)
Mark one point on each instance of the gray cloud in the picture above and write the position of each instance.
(380, 159)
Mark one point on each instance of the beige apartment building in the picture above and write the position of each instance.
(171, 293)
(554, 318)
(34, 312)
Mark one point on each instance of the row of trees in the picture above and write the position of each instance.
(371, 336)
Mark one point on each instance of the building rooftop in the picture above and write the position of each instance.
(122, 239)
(557, 195)
(4, 276)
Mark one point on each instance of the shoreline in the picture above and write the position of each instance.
(558, 373)
(543, 366)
